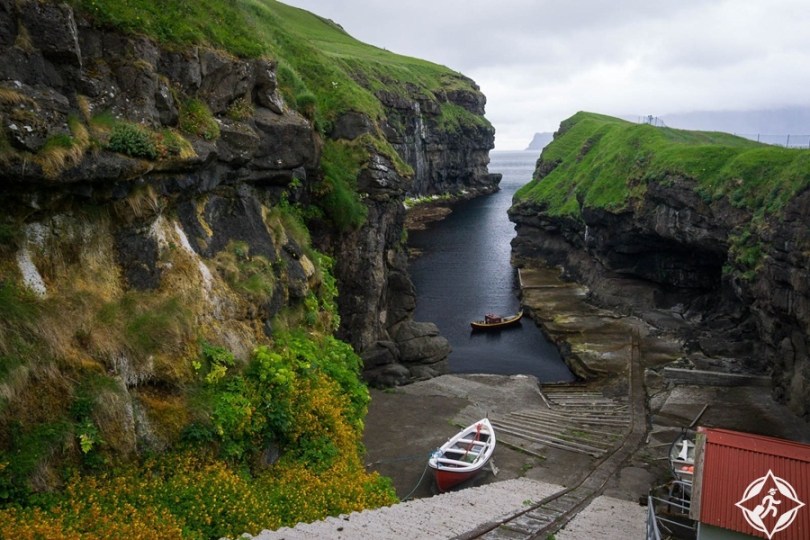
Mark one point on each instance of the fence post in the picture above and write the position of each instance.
(787, 144)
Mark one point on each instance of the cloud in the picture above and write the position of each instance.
(538, 62)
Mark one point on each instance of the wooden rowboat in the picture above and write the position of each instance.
(464, 455)
(493, 322)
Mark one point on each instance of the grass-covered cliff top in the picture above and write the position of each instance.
(604, 162)
(314, 54)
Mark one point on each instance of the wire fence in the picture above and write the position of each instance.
(787, 141)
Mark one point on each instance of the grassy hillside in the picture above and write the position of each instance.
(605, 162)
(233, 443)
(322, 72)
(315, 55)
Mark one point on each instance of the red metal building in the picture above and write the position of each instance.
(750, 486)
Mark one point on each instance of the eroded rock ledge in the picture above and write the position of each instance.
(58, 69)
(667, 259)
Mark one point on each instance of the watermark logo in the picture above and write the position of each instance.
(770, 504)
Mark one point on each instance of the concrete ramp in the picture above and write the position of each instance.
(442, 516)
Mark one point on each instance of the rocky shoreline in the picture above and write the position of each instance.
(592, 340)
(596, 343)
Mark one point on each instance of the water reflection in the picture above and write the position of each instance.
(464, 271)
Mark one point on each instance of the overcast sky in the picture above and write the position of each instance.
(540, 61)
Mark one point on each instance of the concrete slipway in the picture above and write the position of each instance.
(456, 513)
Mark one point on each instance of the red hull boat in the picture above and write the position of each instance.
(464, 455)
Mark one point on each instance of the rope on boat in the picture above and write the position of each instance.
(408, 458)
(408, 496)
(411, 457)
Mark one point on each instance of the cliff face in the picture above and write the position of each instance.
(691, 264)
(152, 199)
(445, 157)
(377, 296)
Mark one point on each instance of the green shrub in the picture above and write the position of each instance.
(746, 251)
(132, 140)
(341, 163)
(29, 445)
(171, 144)
(306, 103)
(240, 109)
(196, 119)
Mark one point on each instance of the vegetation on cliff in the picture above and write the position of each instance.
(322, 72)
(315, 55)
(229, 445)
(601, 162)
(168, 365)
(714, 225)
(604, 162)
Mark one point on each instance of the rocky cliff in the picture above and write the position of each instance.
(159, 195)
(704, 235)
(377, 297)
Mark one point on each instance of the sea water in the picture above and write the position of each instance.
(464, 271)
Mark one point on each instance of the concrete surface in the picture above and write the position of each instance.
(442, 516)
(607, 518)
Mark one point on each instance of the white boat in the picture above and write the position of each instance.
(464, 455)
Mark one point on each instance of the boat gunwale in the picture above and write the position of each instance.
(505, 321)
(481, 457)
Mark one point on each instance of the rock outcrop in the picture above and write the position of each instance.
(445, 158)
(211, 188)
(673, 257)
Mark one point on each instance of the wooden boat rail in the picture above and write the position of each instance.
(491, 322)
(552, 513)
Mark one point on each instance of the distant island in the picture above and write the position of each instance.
(540, 140)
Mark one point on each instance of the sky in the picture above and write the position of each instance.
(540, 61)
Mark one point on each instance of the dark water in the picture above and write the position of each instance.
(464, 272)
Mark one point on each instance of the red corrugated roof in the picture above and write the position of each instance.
(753, 484)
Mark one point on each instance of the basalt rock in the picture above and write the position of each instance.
(669, 257)
(376, 294)
(444, 160)
(208, 201)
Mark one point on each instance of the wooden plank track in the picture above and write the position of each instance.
(576, 422)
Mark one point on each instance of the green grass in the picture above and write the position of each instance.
(604, 162)
(323, 58)
(322, 72)
(341, 164)
(17, 305)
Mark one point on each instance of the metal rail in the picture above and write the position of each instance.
(553, 512)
